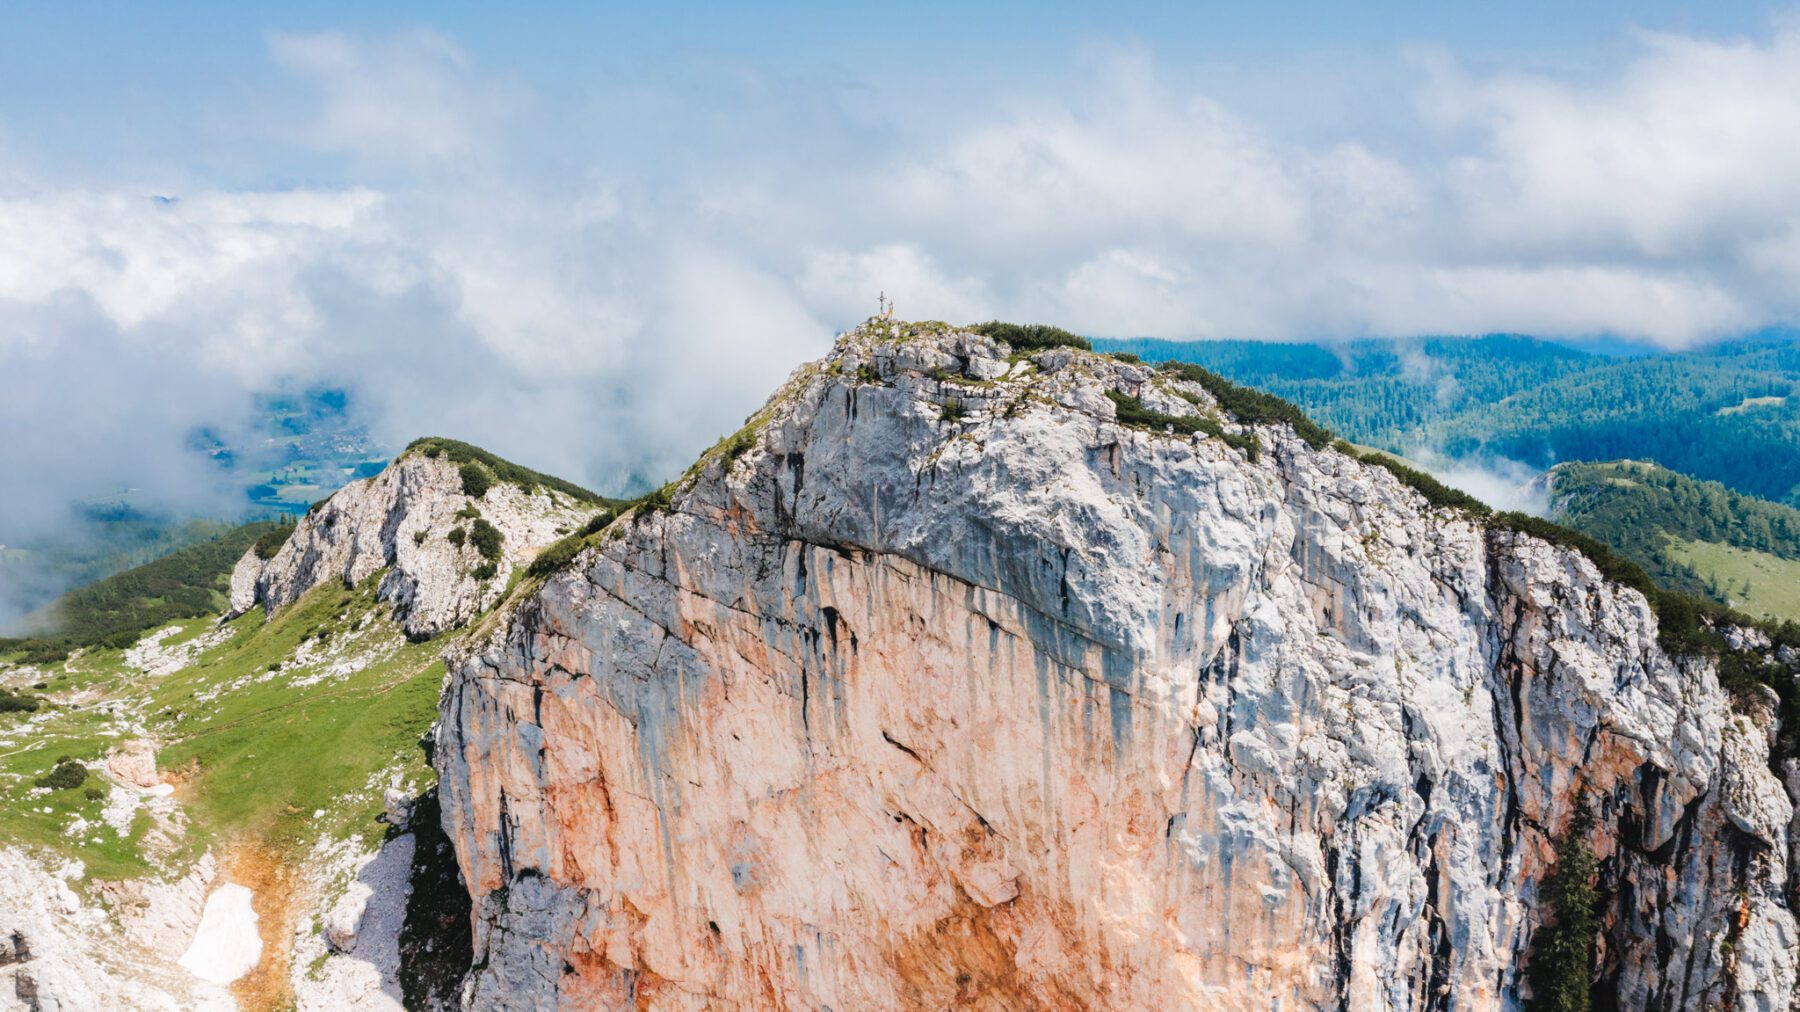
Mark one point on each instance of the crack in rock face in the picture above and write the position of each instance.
(901, 705)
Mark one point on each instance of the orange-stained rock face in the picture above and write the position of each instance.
(1024, 709)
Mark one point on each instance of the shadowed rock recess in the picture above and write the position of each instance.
(937, 686)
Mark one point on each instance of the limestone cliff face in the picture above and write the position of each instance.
(400, 521)
(952, 691)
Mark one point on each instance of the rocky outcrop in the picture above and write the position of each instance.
(350, 960)
(241, 590)
(400, 523)
(942, 688)
(133, 762)
(59, 953)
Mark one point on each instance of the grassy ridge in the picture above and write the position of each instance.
(266, 742)
(263, 756)
(37, 818)
(1693, 536)
(1756, 582)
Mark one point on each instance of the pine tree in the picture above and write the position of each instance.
(1562, 958)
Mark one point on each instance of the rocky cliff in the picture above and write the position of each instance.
(939, 686)
(415, 524)
(238, 821)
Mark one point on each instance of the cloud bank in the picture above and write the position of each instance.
(601, 284)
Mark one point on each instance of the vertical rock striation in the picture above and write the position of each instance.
(943, 688)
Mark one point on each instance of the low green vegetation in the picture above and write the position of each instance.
(18, 702)
(657, 500)
(562, 552)
(1131, 411)
(1561, 968)
(557, 555)
(115, 611)
(475, 480)
(272, 541)
(1435, 492)
(66, 775)
(737, 444)
(486, 538)
(1251, 407)
(501, 469)
(1031, 336)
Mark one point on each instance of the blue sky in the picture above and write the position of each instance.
(595, 237)
(86, 87)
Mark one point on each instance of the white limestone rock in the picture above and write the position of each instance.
(133, 763)
(351, 962)
(399, 522)
(242, 588)
(1004, 704)
(61, 954)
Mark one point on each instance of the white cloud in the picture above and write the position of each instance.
(604, 286)
(1501, 483)
(413, 99)
(1687, 152)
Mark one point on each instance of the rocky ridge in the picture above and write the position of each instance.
(388, 561)
(415, 524)
(939, 686)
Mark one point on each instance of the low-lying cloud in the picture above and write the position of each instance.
(1501, 483)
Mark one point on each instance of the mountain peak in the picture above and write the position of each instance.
(446, 525)
(1086, 660)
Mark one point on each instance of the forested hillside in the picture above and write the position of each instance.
(1693, 536)
(1730, 413)
(116, 610)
